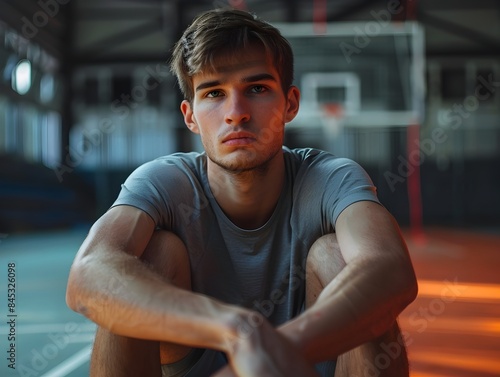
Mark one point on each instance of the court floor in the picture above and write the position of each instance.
(452, 329)
(454, 325)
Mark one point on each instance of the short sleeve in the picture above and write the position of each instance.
(324, 185)
(347, 184)
(143, 190)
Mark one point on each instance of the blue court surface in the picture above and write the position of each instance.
(50, 339)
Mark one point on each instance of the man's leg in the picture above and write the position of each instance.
(118, 356)
(384, 356)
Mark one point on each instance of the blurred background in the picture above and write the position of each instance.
(410, 89)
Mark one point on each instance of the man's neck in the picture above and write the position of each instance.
(248, 198)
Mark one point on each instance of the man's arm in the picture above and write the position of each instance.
(363, 301)
(112, 287)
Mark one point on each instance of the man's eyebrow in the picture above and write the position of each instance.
(208, 84)
(248, 79)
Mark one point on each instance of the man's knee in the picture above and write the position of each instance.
(325, 259)
(113, 355)
(167, 255)
(324, 262)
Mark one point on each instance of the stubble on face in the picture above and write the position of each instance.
(257, 157)
(252, 165)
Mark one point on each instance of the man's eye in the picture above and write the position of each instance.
(258, 89)
(214, 93)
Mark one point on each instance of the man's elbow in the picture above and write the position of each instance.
(74, 290)
(408, 286)
(404, 290)
(412, 289)
(72, 298)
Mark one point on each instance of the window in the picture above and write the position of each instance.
(21, 77)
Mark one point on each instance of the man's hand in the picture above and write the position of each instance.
(261, 351)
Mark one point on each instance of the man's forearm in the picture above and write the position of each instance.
(359, 304)
(119, 293)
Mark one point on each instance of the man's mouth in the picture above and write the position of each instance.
(238, 138)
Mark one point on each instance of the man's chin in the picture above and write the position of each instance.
(245, 160)
(240, 166)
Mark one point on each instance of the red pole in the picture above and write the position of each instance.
(238, 4)
(414, 184)
(319, 16)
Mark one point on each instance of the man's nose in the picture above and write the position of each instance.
(237, 110)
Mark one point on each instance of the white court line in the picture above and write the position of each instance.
(70, 364)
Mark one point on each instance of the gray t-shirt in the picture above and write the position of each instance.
(262, 269)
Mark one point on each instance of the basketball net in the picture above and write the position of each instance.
(332, 117)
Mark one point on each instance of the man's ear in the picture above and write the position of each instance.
(189, 119)
(293, 99)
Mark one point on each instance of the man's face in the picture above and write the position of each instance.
(240, 111)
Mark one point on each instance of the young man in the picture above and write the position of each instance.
(249, 259)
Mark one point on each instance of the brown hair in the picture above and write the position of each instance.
(225, 31)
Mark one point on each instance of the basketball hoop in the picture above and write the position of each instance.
(332, 118)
